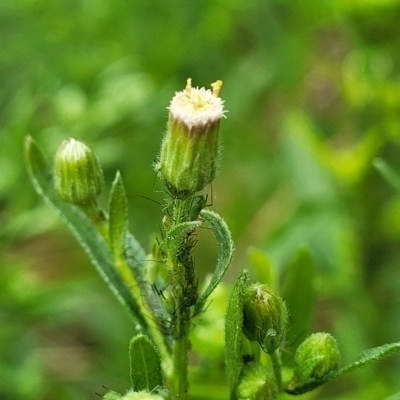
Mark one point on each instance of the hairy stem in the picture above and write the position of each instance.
(277, 366)
(184, 291)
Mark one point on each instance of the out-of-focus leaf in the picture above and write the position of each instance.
(299, 295)
(388, 173)
(264, 266)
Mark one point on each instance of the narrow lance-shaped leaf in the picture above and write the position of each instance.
(366, 357)
(124, 244)
(83, 230)
(128, 255)
(118, 216)
(135, 257)
(233, 333)
(145, 366)
(226, 248)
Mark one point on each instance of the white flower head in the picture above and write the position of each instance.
(197, 106)
(74, 150)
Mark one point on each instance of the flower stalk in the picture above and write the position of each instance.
(187, 164)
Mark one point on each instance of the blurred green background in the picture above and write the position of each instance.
(313, 93)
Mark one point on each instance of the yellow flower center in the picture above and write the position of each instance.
(198, 106)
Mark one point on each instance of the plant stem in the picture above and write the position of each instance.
(184, 290)
(277, 367)
(179, 383)
(96, 215)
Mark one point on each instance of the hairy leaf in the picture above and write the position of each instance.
(233, 333)
(176, 236)
(145, 366)
(366, 357)
(225, 253)
(86, 234)
(118, 216)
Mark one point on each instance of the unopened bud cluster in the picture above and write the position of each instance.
(190, 149)
(78, 177)
(264, 317)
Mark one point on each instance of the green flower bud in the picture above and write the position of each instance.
(78, 177)
(264, 317)
(132, 395)
(315, 357)
(257, 382)
(190, 149)
(142, 395)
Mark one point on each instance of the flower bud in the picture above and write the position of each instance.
(264, 317)
(142, 395)
(111, 395)
(190, 148)
(316, 357)
(131, 395)
(78, 177)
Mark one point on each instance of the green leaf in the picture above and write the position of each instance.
(264, 266)
(175, 237)
(118, 216)
(366, 357)
(86, 234)
(299, 295)
(257, 382)
(233, 333)
(226, 248)
(145, 366)
(135, 257)
(388, 173)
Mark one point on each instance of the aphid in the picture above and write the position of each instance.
(247, 358)
(198, 203)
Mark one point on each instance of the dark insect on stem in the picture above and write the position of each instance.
(248, 358)
(199, 202)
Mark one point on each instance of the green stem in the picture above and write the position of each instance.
(180, 361)
(181, 274)
(97, 217)
(277, 367)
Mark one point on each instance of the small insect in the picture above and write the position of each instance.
(198, 203)
(247, 358)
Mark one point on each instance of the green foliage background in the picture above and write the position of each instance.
(313, 93)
